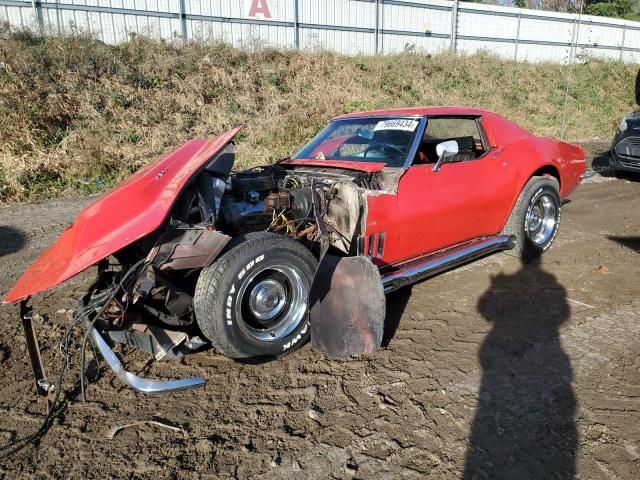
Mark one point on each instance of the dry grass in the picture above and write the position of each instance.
(76, 115)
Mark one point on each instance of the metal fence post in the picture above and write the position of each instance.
(377, 34)
(37, 12)
(515, 53)
(454, 27)
(296, 24)
(624, 37)
(183, 22)
(574, 41)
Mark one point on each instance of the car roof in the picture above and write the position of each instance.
(420, 111)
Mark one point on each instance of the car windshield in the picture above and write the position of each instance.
(370, 139)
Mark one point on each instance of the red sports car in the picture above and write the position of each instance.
(190, 253)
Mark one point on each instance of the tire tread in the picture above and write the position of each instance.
(212, 279)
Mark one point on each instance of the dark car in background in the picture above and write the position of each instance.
(625, 149)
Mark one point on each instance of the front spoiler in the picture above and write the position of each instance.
(144, 385)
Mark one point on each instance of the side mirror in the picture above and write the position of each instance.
(445, 150)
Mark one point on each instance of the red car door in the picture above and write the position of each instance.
(461, 201)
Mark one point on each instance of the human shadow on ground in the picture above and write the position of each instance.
(11, 240)
(630, 242)
(524, 425)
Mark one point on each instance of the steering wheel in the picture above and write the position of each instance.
(382, 147)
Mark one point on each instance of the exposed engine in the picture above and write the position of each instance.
(258, 200)
(275, 199)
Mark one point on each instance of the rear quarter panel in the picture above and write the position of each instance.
(528, 154)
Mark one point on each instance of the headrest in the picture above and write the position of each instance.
(465, 143)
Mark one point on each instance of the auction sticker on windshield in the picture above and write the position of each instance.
(397, 124)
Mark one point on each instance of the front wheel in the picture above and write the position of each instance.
(535, 218)
(252, 301)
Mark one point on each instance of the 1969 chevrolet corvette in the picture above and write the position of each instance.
(189, 252)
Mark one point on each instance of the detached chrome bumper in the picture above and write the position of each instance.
(587, 174)
(143, 385)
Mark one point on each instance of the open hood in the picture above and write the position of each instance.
(132, 210)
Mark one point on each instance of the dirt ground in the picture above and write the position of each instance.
(495, 370)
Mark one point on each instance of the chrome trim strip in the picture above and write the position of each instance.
(587, 174)
(447, 260)
(416, 142)
(140, 384)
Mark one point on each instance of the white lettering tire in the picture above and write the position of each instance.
(253, 300)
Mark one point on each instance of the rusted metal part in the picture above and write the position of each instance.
(277, 201)
(307, 232)
(319, 203)
(347, 306)
(182, 249)
(161, 342)
(44, 388)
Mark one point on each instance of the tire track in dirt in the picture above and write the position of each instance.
(404, 412)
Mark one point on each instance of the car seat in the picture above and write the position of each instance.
(427, 151)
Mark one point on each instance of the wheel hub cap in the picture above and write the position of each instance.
(267, 299)
(272, 301)
(541, 220)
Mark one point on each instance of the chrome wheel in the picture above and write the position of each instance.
(541, 219)
(272, 302)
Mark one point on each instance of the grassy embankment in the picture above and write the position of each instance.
(76, 115)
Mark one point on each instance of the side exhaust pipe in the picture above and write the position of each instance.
(448, 260)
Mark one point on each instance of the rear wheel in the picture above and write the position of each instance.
(252, 302)
(535, 218)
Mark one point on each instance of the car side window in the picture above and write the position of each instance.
(465, 131)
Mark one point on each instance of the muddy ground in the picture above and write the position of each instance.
(496, 370)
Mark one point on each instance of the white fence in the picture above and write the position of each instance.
(346, 26)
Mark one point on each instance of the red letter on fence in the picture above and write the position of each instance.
(259, 6)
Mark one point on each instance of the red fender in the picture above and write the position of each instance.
(133, 209)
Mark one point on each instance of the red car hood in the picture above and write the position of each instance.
(133, 209)
(369, 167)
